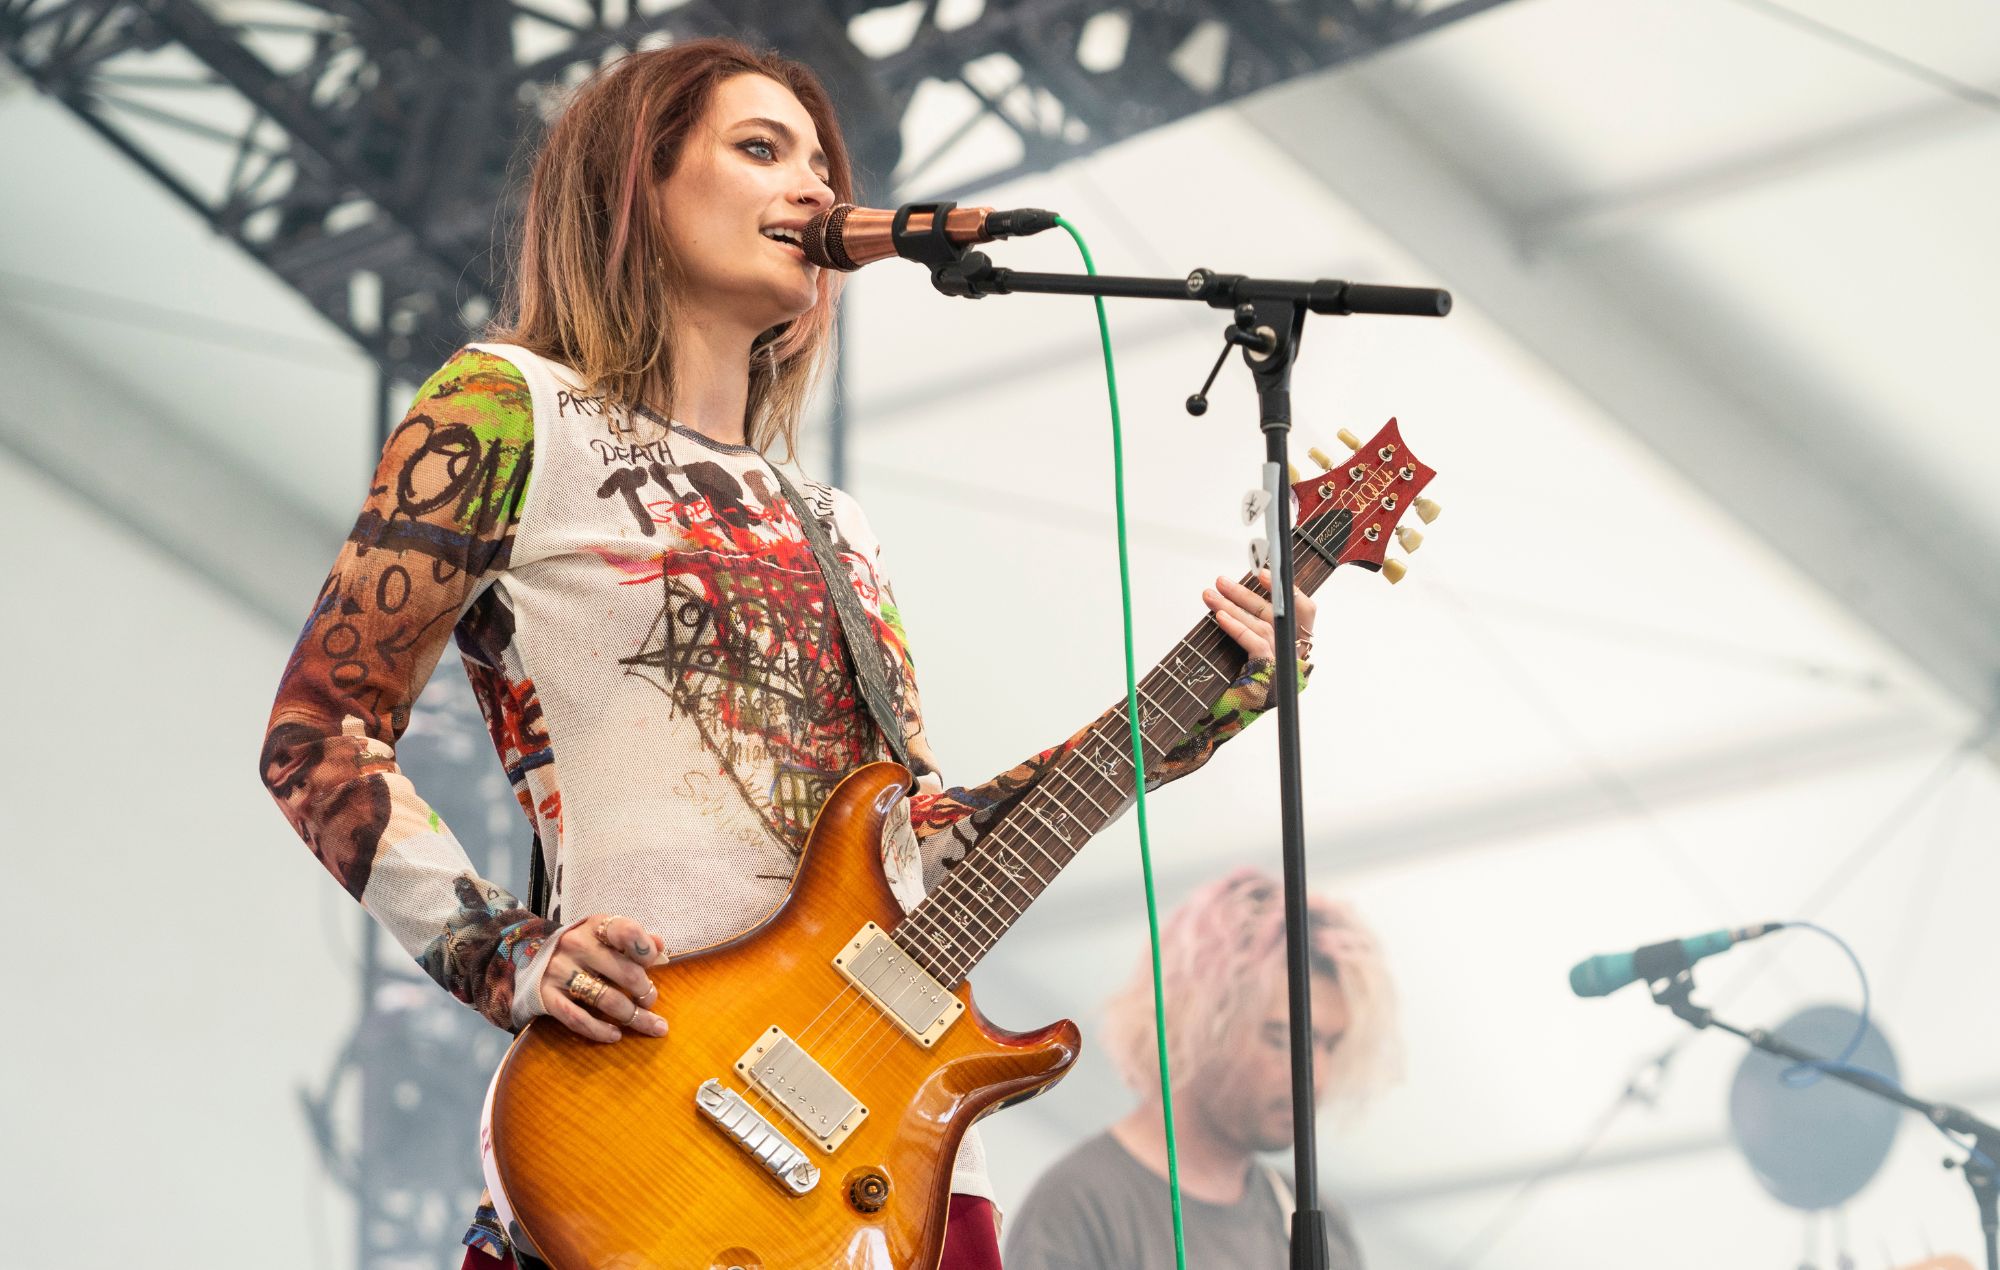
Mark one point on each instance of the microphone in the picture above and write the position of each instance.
(1607, 972)
(846, 237)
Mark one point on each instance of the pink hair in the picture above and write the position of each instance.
(1222, 958)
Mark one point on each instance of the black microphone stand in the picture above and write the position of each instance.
(1269, 320)
(1978, 1167)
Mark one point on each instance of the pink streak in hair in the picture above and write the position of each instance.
(628, 188)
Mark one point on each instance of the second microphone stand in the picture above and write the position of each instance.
(1984, 1146)
(1269, 321)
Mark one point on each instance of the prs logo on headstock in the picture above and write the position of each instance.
(1348, 514)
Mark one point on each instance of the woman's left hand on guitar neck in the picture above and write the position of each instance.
(1245, 615)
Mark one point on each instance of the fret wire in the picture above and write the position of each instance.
(924, 916)
(1022, 860)
(926, 959)
(1118, 750)
(948, 966)
(1163, 746)
(1124, 755)
(1121, 759)
(1007, 881)
(944, 892)
(1227, 678)
(1186, 691)
(959, 964)
(1185, 726)
(1080, 787)
(1029, 838)
(923, 921)
(1061, 837)
(953, 972)
(961, 892)
(972, 887)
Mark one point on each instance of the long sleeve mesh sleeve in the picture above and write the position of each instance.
(948, 821)
(437, 525)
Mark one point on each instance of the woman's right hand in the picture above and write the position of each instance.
(613, 952)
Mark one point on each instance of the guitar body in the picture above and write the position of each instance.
(607, 1162)
(698, 1152)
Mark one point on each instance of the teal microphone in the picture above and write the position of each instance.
(1607, 972)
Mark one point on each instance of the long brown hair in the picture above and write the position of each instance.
(594, 279)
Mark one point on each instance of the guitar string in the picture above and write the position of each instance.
(875, 1022)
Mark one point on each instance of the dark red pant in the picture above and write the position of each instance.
(970, 1240)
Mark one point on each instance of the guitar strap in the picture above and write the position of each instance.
(862, 646)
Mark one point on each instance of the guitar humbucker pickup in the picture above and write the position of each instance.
(803, 1090)
(902, 989)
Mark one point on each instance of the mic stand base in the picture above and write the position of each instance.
(1978, 1167)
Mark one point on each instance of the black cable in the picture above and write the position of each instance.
(1888, 58)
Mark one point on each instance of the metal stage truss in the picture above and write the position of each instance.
(363, 150)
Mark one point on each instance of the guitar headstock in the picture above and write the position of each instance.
(1349, 513)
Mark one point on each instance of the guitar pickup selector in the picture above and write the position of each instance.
(803, 1089)
(912, 998)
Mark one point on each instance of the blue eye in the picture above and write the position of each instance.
(768, 150)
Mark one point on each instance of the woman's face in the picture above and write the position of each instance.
(750, 167)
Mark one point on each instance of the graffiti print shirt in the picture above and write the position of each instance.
(658, 664)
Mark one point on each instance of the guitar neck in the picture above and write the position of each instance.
(1020, 854)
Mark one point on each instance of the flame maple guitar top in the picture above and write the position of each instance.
(609, 1164)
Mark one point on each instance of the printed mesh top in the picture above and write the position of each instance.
(658, 662)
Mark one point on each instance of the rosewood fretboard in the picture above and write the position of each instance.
(1019, 855)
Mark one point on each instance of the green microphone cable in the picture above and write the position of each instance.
(1138, 751)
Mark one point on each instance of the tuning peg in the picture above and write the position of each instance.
(1348, 439)
(1319, 457)
(1427, 510)
(1410, 538)
(1294, 469)
(1394, 570)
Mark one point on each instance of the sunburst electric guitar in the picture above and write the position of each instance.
(806, 1109)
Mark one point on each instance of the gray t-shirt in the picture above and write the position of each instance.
(1097, 1208)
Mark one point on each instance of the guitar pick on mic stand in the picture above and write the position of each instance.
(1268, 321)
(1978, 1168)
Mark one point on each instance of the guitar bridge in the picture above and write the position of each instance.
(744, 1125)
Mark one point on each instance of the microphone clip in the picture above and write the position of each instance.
(954, 269)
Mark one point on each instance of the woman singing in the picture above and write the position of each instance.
(587, 505)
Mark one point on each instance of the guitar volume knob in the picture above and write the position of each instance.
(867, 1190)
